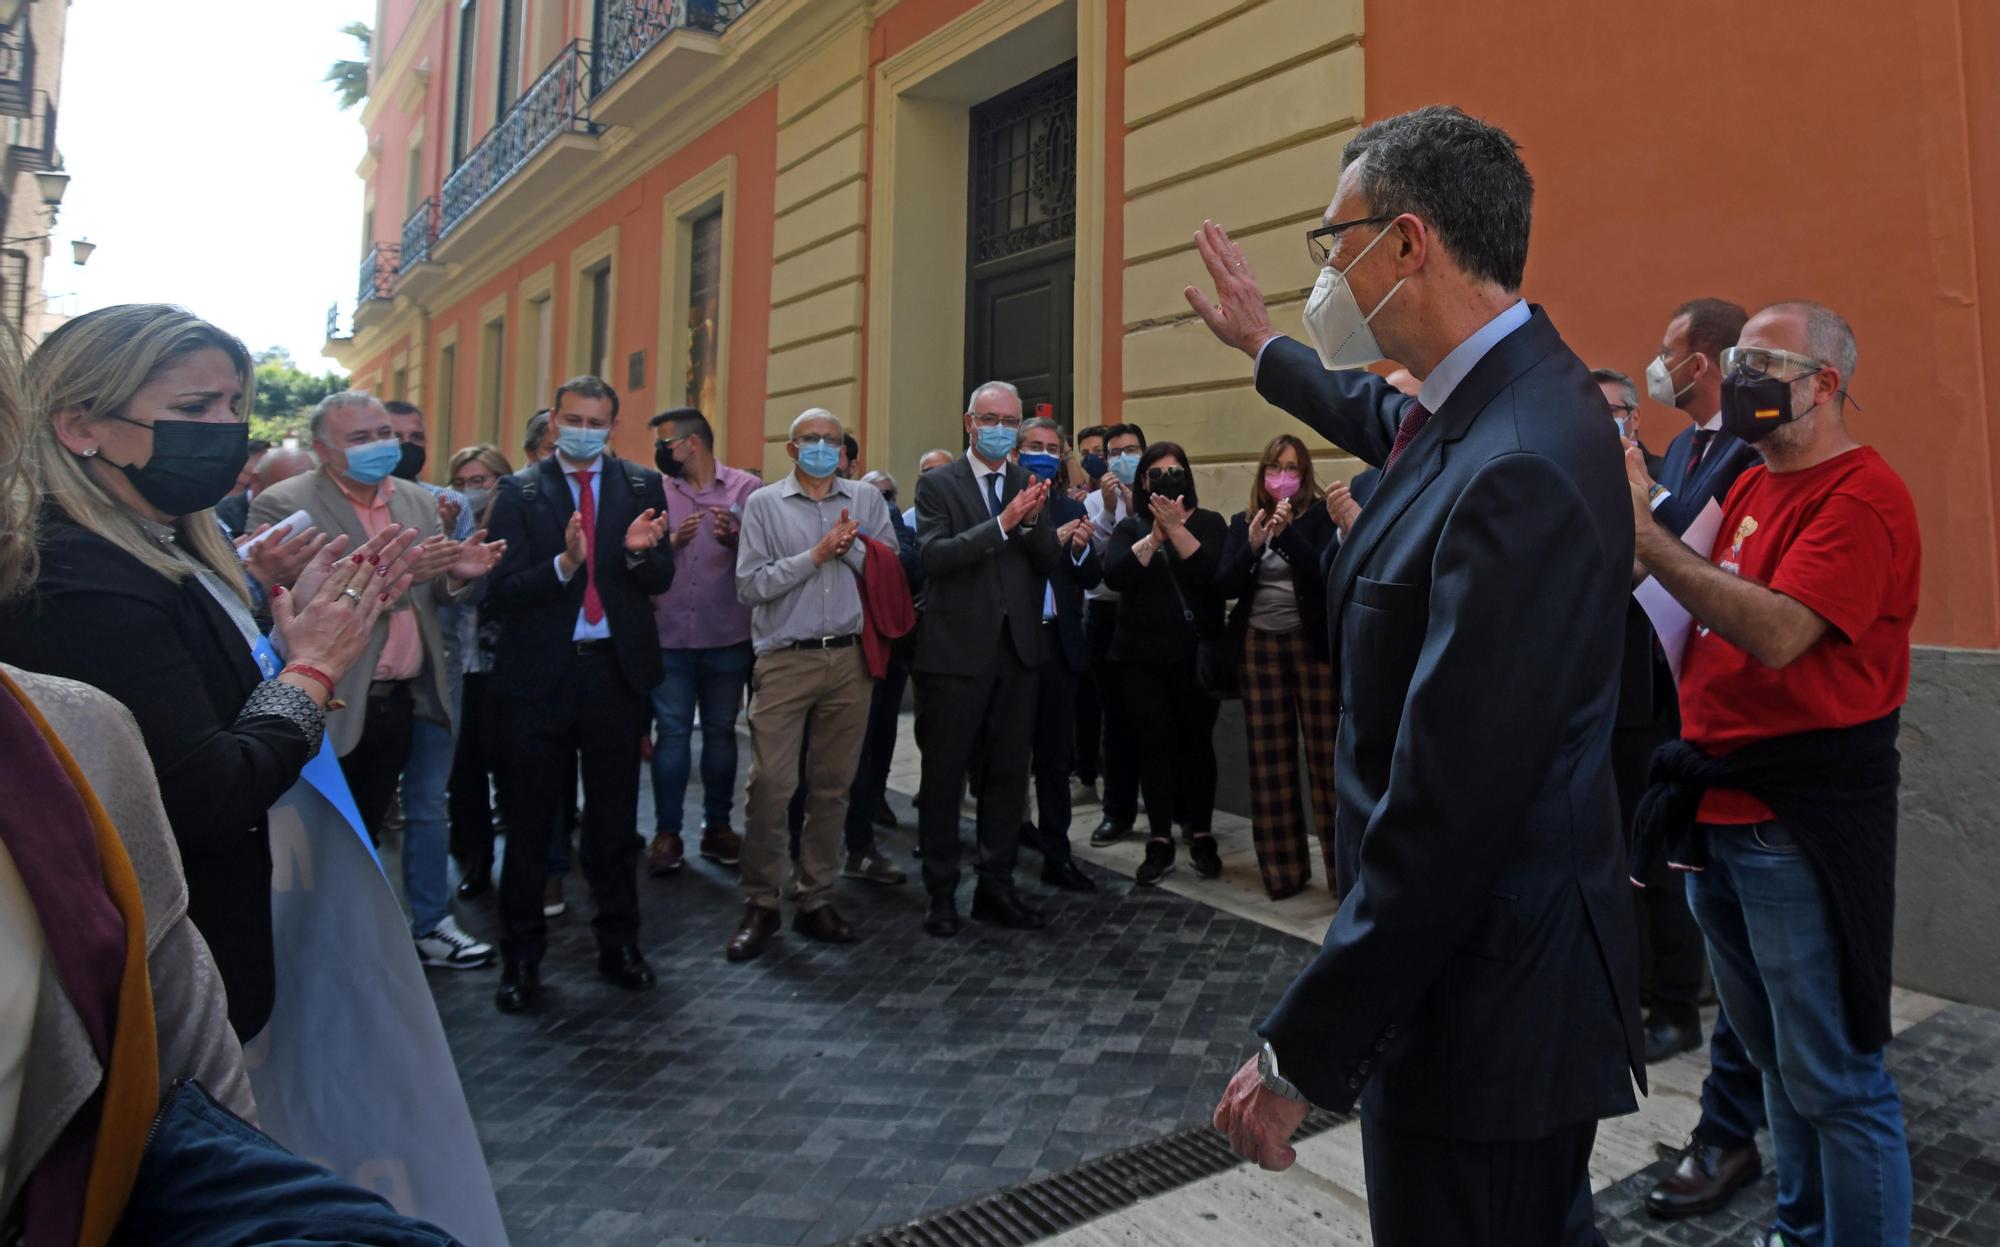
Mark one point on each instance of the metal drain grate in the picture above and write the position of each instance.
(1042, 1207)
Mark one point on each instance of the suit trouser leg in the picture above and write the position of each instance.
(1087, 726)
(1055, 720)
(608, 733)
(951, 710)
(540, 749)
(1121, 747)
(471, 793)
(839, 725)
(1425, 1191)
(1003, 796)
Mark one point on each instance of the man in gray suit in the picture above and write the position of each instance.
(400, 724)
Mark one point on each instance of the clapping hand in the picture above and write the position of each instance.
(836, 541)
(447, 513)
(1075, 535)
(1641, 482)
(476, 557)
(1340, 504)
(1260, 529)
(646, 532)
(727, 526)
(1281, 519)
(329, 629)
(685, 530)
(433, 557)
(1026, 506)
(576, 546)
(1169, 513)
(1113, 493)
(280, 557)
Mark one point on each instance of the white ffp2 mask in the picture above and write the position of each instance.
(1334, 323)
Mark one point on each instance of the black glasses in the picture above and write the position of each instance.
(1164, 472)
(1320, 243)
(1620, 409)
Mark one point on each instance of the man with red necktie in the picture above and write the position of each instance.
(577, 661)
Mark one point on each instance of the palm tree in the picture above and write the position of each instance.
(350, 78)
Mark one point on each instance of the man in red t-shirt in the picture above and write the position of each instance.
(1790, 687)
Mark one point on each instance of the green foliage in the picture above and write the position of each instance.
(350, 78)
(286, 396)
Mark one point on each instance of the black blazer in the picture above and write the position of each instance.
(975, 578)
(1152, 627)
(234, 511)
(1303, 546)
(1481, 977)
(1727, 458)
(537, 611)
(170, 654)
(1070, 583)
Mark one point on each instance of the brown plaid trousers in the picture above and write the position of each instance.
(1287, 691)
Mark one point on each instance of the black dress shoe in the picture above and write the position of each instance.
(1158, 864)
(476, 884)
(823, 924)
(1666, 1039)
(520, 984)
(1068, 877)
(625, 967)
(752, 934)
(1109, 832)
(1005, 909)
(1202, 855)
(942, 920)
(1705, 1180)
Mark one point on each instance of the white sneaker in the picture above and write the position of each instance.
(452, 948)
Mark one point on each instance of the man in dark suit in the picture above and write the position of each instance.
(1476, 992)
(234, 511)
(986, 548)
(578, 658)
(1054, 741)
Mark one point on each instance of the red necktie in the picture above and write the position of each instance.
(586, 506)
(1413, 419)
(1702, 437)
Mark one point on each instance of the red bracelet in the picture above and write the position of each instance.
(311, 673)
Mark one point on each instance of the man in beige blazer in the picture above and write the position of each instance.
(399, 720)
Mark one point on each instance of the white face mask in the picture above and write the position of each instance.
(1334, 323)
(1660, 381)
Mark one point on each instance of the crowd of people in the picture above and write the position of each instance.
(1446, 682)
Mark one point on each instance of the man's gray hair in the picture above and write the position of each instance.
(991, 387)
(1611, 376)
(538, 428)
(877, 474)
(935, 450)
(1828, 336)
(1043, 422)
(812, 414)
(335, 402)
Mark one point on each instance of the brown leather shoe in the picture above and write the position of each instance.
(1705, 1180)
(754, 934)
(721, 845)
(666, 856)
(824, 925)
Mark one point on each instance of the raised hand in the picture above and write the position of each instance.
(647, 531)
(1281, 519)
(447, 513)
(434, 557)
(282, 556)
(1075, 535)
(836, 541)
(477, 557)
(685, 530)
(1260, 529)
(1237, 315)
(1113, 493)
(331, 631)
(576, 548)
(1340, 504)
(1169, 513)
(1025, 507)
(1641, 482)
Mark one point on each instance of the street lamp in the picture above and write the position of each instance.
(80, 249)
(53, 183)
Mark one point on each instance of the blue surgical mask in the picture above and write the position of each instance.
(1125, 466)
(1044, 466)
(1095, 466)
(820, 460)
(368, 465)
(581, 445)
(995, 443)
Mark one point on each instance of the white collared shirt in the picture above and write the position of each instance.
(585, 630)
(1453, 368)
(979, 474)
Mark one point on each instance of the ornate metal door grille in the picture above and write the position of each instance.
(1024, 168)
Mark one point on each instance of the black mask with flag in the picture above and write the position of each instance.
(1753, 408)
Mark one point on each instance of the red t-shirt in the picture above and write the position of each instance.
(1841, 538)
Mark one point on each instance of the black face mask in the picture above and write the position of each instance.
(1173, 487)
(411, 465)
(194, 465)
(1753, 408)
(663, 455)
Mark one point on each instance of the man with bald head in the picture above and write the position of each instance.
(1780, 796)
(280, 464)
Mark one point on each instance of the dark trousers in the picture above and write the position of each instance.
(1671, 952)
(954, 715)
(1174, 721)
(376, 762)
(1055, 723)
(1424, 1191)
(1121, 748)
(475, 762)
(1088, 724)
(595, 715)
(878, 750)
(1732, 1096)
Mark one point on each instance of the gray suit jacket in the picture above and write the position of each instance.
(317, 495)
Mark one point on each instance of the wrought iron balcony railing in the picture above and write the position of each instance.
(338, 327)
(558, 103)
(34, 148)
(378, 274)
(17, 68)
(631, 28)
(419, 232)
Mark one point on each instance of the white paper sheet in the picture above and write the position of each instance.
(1671, 622)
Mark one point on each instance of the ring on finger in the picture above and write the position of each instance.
(351, 594)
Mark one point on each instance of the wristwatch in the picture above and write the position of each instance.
(1274, 1082)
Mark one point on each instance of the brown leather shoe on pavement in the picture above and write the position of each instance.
(721, 845)
(666, 856)
(1706, 1178)
(824, 925)
(754, 934)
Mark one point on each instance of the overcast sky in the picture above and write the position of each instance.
(210, 164)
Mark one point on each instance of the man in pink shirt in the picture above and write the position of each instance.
(704, 639)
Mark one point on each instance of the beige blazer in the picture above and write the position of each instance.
(411, 505)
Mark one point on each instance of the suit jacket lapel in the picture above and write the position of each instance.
(331, 504)
(610, 494)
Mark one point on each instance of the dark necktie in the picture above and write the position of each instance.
(993, 502)
(1702, 437)
(593, 606)
(1414, 417)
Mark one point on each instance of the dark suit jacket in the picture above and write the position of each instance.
(538, 611)
(1069, 585)
(172, 656)
(1646, 692)
(234, 511)
(1481, 977)
(1727, 458)
(1303, 545)
(976, 579)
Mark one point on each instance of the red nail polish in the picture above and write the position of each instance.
(359, 558)
(385, 597)
(374, 558)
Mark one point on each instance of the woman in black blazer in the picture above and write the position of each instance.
(1272, 565)
(136, 430)
(1161, 559)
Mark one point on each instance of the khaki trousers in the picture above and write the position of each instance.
(830, 689)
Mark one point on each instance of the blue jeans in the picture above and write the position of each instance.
(1843, 1161)
(713, 680)
(426, 827)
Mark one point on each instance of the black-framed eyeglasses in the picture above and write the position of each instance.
(674, 441)
(1321, 242)
(1622, 409)
(1164, 472)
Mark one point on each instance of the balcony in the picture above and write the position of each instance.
(339, 328)
(418, 274)
(378, 283)
(547, 131)
(647, 50)
(34, 146)
(17, 68)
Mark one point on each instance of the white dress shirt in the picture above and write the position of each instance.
(586, 630)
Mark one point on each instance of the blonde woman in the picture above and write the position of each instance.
(137, 429)
(476, 472)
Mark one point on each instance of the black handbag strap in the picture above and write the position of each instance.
(1174, 579)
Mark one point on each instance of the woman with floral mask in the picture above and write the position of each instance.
(1271, 565)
